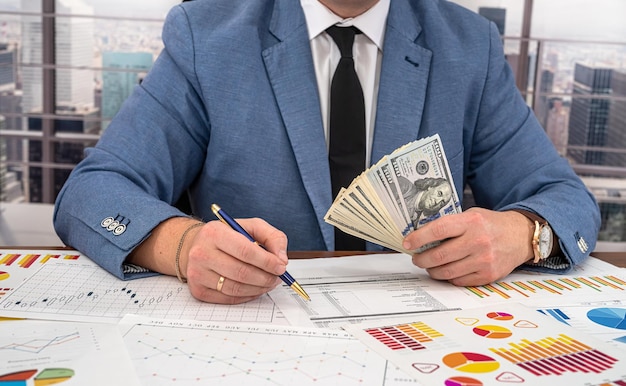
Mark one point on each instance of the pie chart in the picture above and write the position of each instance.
(470, 362)
(18, 378)
(462, 381)
(52, 376)
(492, 332)
(499, 316)
(609, 317)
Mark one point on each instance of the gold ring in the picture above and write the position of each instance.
(220, 284)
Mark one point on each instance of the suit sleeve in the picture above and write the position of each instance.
(514, 165)
(143, 162)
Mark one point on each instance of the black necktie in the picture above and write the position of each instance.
(346, 154)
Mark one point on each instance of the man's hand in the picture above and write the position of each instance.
(478, 246)
(249, 270)
(214, 251)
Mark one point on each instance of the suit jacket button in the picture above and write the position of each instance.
(119, 229)
(112, 225)
(106, 222)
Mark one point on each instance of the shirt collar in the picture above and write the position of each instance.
(371, 23)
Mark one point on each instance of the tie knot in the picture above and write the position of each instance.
(344, 38)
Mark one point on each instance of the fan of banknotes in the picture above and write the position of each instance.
(401, 192)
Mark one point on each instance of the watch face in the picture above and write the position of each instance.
(545, 241)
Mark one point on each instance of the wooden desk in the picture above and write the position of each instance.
(615, 258)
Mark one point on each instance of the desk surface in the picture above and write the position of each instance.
(615, 258)
(180, 349)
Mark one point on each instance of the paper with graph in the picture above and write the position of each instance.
(506, 344)
(401, 192)
(82, 291)
(46, 353)
(251, 354)
(18, 265)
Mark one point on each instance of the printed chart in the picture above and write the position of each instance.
(356, 288)
(247, 354)
(17, 266)
(83, 291)
(44, 353)
(495, 345)
(605, 322)
(552, 290)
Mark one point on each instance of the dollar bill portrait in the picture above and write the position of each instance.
(425, 197)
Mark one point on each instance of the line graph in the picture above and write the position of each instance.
(249, 354)
(48, 352)
(38, 345)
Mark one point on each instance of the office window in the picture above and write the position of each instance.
(66, 66)
(569, 60)
(59, 90)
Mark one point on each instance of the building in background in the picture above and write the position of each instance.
(544, 101)
(122, 72)
(74, 48)
(557, 124)
(74, 81)
(496, 15)
(616, 133)
(10, 186)
(75, 119)
(589, 113)
(10, 109)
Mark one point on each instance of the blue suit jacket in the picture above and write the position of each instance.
(230, 111)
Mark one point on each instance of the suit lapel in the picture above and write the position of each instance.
(403, 82)
(402, 91)
(289, 66)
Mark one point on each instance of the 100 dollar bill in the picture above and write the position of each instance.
(404, 190)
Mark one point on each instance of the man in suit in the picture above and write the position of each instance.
(235, 112)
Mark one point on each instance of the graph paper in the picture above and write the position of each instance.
(82, 291)
(249, 354)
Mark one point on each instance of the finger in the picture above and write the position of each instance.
(212, 296)
(228, 288)
(470, 270)
(272, 239)
(445, 252)
(437, 230)
(228, 252)
(252, 280)
(238, 246)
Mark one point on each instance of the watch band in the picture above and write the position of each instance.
(538, 221)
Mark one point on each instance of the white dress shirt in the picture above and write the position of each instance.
(367, 51)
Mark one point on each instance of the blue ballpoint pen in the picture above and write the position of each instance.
(286, 277)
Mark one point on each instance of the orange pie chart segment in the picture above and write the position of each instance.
(462, 381)
(470, 362)
(499, 316)
(492, 332)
